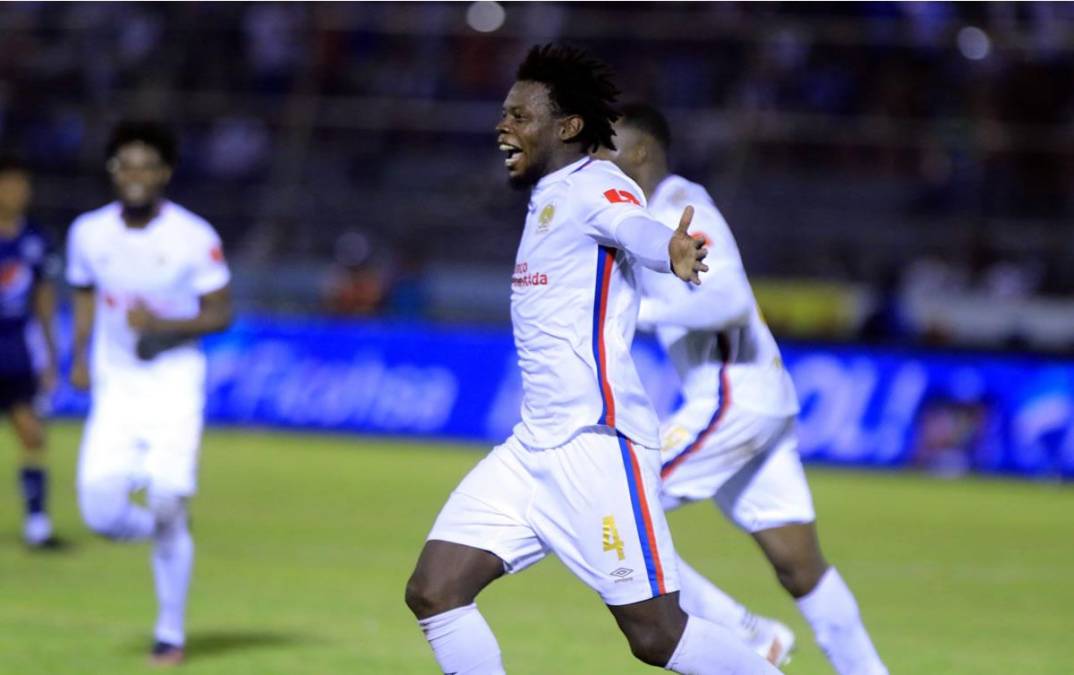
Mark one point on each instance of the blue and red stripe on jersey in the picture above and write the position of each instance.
(605, 264)
(723, 404)
(643, 520)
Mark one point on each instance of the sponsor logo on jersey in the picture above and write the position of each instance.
(524, 278)
(612, 540)
(621, 197)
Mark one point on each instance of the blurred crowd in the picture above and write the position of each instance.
(896, 146)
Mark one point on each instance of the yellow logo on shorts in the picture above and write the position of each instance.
(674, 438)
(612, 542)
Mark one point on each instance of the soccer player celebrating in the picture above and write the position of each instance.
(733, 439)
(26, 290)
(149, 280)
(579, 477)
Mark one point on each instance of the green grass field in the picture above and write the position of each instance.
(305, 542)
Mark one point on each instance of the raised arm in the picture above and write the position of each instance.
(663, 250)
(723, 301)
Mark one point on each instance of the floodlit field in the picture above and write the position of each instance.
(305, 542)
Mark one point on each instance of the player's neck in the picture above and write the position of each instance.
(562, 159)
(137, 217)
(650, 176)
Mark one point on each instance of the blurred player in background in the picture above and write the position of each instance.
(579, 476)
(733, 439)
(26, 291)
(150, 280)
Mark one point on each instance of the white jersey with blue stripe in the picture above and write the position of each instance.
(574, 304)
(739, 365)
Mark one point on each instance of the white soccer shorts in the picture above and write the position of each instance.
(746, 462)
(157, 449)
(594, 502)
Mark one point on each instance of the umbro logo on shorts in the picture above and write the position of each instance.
(622, 572)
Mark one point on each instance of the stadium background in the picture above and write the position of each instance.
(898, 177)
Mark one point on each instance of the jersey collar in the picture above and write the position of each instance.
(561, 174)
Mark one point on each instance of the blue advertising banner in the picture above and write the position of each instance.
(947, 413)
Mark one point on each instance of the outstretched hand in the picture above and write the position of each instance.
(687, 253)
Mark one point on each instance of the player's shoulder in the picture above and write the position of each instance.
(185, 221)
(679, 192)
(601, 180)
(96, 219)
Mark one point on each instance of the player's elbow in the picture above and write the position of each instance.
(226, 318)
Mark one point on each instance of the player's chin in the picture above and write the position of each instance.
(519, 178)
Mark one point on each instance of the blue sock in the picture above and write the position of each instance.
(34, 481)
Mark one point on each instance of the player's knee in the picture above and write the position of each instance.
(427, 596)
(168, 509)
(102, 506)
(799, 574)
(654, 645)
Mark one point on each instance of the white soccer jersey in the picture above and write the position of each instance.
(741, 364)
(574, 303)
(167, 266)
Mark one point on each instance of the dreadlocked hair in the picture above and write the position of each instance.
(578, 84)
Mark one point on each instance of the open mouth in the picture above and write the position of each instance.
(513, 152)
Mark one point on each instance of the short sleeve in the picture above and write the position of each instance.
(79, 272)
(210, 270)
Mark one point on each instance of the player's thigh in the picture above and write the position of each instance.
(171, 448)
(489, 508)
(598, 509)
(703, 448)
(770, 490)
(449, 575)
(108, 452)
(28, 426)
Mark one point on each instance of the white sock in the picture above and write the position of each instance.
(462, 642)
(700, 597)
(707, 648)
(833, 613)
(173, 559)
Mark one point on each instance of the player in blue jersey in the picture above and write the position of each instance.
(26, 293)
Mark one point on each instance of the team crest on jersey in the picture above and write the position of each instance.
(612, 540)
(544, 218)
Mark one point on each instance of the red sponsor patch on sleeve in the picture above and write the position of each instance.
(621, 197)
(217, 254)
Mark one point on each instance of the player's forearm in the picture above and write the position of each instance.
(647, 240)
(84, 309)
(214, 315)
(45, 313)
(723, 301)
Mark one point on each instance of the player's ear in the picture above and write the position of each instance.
(641, 153)
(570, 127)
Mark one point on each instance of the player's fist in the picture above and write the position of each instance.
(687, 253)
(140, 319)
(80, 375)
